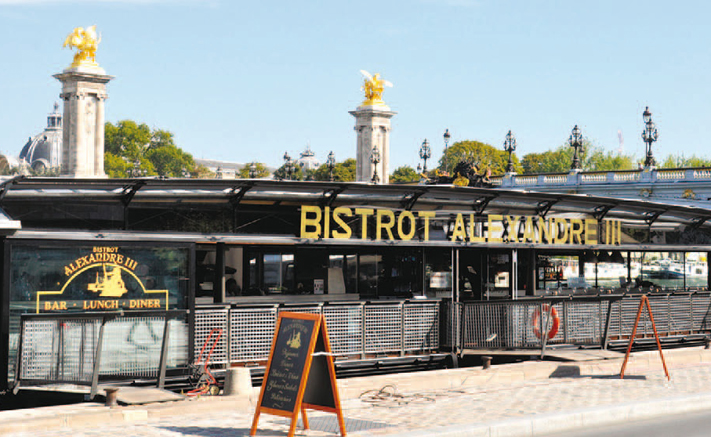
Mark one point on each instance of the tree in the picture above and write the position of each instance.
(297, 172)
(479, 154)
(343, 171)
(592, 158)
(260, 170)
(135, 149)
(599, 160)
(680, 161)
(404, 174)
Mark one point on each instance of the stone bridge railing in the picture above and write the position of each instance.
(624, 177)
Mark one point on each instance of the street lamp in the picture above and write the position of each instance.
(331, 163)
(136, 171)
(576, 142)
(252, 170)
(287, 165)
(510, 147)
(446, 136)
(649, 135)
(425, 154)
(375, 160)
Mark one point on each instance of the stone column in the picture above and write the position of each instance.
(373, 128)
(84, 93)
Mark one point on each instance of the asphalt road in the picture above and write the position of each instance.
(686, 425)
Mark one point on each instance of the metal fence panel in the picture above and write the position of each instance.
(421, 326)
(251, 332)
(584, 322)
(58, 348)
(383, 328)
(59, 351)
(345, 328)
(701, 309)
(205, 321)
(132, 346)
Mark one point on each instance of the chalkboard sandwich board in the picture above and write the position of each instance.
(300, 373)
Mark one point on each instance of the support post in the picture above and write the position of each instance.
(606, 332)
(164, 352)
(97, 360)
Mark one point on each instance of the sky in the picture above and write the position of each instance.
(247, 81)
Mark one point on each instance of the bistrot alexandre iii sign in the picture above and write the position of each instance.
(385, 224)
(102, 280)
(300, 373)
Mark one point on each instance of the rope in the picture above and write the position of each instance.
(388, 396)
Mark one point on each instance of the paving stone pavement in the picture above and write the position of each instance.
(472, 401)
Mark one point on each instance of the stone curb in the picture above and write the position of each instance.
(545, 424)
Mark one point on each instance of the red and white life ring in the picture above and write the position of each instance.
(536, 321)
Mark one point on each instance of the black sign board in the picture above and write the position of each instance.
(300, 373)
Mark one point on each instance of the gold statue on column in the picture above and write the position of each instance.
(86, 42)
(373, 88)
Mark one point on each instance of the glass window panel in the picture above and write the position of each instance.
(697, 270)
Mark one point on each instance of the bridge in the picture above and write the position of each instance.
(681, 186)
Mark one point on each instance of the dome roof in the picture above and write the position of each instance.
(308, 160)
(44, 150)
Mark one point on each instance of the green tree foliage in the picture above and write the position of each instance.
(481, 155)
(404, 174)
(599, 160)
(680, 161)
(297, 173)
(343, 171)
(132, 148)
(592, 158)
(261, 170)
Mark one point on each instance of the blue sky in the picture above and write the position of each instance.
(243, 81)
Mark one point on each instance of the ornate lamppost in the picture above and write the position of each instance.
(510, 147)
(136, 171)
(330, 163)
(375, 160)
(425, 154)
(288, 166)
(446, 137)
(649, 136)
(252, 170)
(576, 142)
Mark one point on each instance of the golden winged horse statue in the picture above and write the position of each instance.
(86, 42)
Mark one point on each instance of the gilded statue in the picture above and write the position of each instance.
(86, 42)
(373, 88)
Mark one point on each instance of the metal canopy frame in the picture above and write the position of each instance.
(200, 193)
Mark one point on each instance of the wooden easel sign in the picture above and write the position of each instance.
(300, 373)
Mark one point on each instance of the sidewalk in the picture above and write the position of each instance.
(523, 399)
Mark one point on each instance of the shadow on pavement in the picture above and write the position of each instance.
(317, 423)
(209, 431)
(574, 372)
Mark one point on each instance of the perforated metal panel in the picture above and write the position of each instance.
(251, 332)
(701, 308)
(421, 326)
(60, 348)
(345, 328)
(315, 309)
(583, 322)
(132, 346)
(383, 328)
(61, 351)
(205, 322)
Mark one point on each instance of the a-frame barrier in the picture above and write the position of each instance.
(644, 301)
(300, 373)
